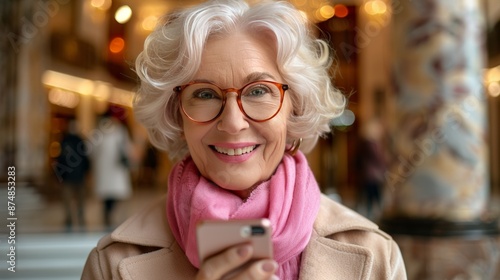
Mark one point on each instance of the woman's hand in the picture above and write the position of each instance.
(237, 257)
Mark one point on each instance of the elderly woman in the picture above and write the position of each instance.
(232, 91)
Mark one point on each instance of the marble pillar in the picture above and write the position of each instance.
(437, 186)
(439, 168)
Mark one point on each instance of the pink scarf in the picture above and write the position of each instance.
(290, 199)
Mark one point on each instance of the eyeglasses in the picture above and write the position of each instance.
(203, 102)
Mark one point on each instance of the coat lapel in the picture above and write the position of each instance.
(150, 228)
(166, 263)
(325, 258)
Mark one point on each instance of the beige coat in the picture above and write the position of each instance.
(344, 246)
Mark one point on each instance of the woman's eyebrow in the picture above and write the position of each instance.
(203, 81)
(255, 76)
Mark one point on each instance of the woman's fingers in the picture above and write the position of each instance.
(217, 266)
(259, 270)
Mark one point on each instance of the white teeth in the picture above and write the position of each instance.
(235, 152)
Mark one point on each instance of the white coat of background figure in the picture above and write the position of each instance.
(112, 178)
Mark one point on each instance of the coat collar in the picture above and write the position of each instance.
(332, 218)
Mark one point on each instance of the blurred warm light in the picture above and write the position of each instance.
(116, 45)
(369, 8)
(341, 11)
(326, 11)
(63, 98)
(67, 82)
(375, 7)
(321, 10)
(494, 89)
(61, 84)
(102, 90)
(86, 87)
(379, 7)
(493, 74)
(123, 14)
(149, 23)
(101, 4)
(318, 16)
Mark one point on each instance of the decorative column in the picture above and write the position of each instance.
(439, 167)
(437, 186)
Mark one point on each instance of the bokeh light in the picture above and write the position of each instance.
(149, 23)
(101, 4)
(375, 7)
(123, 14)
(327, 11)
(494, 89)
(341, 11)
(116, 45)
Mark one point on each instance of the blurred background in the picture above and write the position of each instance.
(416, 150)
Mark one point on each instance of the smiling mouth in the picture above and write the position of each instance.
(234, 152)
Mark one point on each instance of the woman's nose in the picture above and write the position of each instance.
(232, 120)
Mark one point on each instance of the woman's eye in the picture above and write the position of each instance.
(205, 94)
(257, 91)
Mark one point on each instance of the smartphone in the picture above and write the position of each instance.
(214, 236)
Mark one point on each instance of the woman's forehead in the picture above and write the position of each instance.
(236, 58)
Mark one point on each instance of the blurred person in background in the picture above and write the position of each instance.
(232, 92)
(149, 166)
(372, 166)
(111, 162)
(71, 167)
